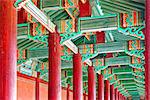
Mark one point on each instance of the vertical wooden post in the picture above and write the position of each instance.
(100, 87)
(119, 95)
(116, 94)
(54, 85)
(147, 52)
(112, 92)
(37, 88)
(107, 90)
(68, 91)
(85, 8)
(100, 38)
(91, 83)
(77, 77)
(8, 49)
(85, 96)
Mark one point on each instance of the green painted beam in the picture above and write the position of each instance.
(24, 43)
(132, 92)
(26, 46)
(139, 74)
(111, 47)
(113, 9)
(124, 5)
(111, 5)
(101, 23)
(37, 53)
(133, 85)
(51, 3)
(122, 60)
(127, 81)
(22, 25)
(124, 70)
(63, 16)
(139, 80)
(118, 36)
(23, 29)
(131, 80)
(101, 48)
(129, 85)
(58, 13)
(131, 3)
(131, 88)
(125, 77)
(19, 41)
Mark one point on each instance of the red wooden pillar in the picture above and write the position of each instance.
(84, 11)
(84, 95)
(85, 8)
(112, 92)
(100, 38)
(116, 94)
(107, 90)
(77, 77)
(119, 95)
(100, 87)
(37, 87)
(147, 52)
(8, 49)
(122, 97)
(91, 83)
(54, 85)
(68, 90)
(22, 16)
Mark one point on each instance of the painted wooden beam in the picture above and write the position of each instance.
(125, 70)
(100, 48)
(125, 77)
(37, 14)
(71, 46)
(93, 24)
(124, 5)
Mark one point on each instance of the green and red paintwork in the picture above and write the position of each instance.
(97, 28)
